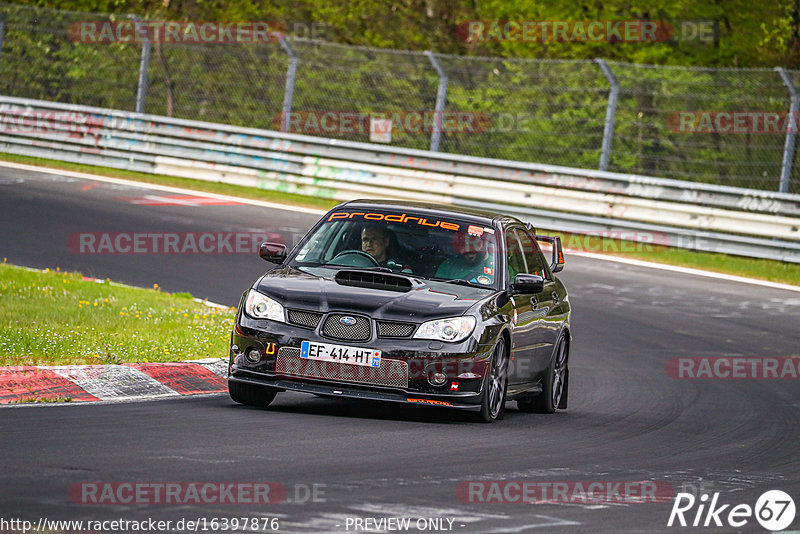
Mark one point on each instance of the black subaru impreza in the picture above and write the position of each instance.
(408, 302)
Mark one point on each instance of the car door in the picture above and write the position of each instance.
(522, 364)
(545, 318)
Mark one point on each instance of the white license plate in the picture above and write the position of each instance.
(340, 354)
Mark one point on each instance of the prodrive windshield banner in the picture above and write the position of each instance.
(393, 218)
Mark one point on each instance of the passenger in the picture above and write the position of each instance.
(474, 261)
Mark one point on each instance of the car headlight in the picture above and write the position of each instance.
(263, 307)
(453, 329)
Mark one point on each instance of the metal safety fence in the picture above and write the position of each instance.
(656, 211)
(733, 127)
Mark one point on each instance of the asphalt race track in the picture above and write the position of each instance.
(628, 420)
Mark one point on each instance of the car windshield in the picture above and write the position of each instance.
(439, 248)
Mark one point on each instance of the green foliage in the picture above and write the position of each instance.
(746, 33)
(533, 101)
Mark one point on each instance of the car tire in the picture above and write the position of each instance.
(555, 385)
(493, 400)
(250, 395)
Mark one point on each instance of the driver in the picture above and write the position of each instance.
(474, 262)
(375, 242)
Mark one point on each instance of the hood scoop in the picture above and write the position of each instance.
(374, 280)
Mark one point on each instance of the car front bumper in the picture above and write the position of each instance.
(268, 354)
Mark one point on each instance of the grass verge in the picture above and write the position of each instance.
(58, 318)
(37, 399)
(774, 271)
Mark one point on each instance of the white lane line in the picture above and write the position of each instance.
(686, 270)
(298, 209)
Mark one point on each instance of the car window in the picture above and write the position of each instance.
(533, 255)
(325, 243)
(446, 248)
(515, 258)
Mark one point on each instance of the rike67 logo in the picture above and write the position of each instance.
(774, 510)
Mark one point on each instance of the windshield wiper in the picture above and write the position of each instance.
(354, 268)
(460, 282)
(377, 268)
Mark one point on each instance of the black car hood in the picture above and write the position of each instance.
(425, 300)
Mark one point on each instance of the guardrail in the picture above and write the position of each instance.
(684, 214)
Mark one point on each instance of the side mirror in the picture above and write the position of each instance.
(272, 252)
(557, 262)
(527, 283)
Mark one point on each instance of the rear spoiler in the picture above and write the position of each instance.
(557, 260)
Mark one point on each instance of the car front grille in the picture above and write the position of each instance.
(358, 331)
(304, 318)
(391, 373)
(390, 329)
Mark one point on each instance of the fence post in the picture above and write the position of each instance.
(144, 65)
(441, 99)
(791, 131)
(288, 93)
(2, 31)
(611, 113)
